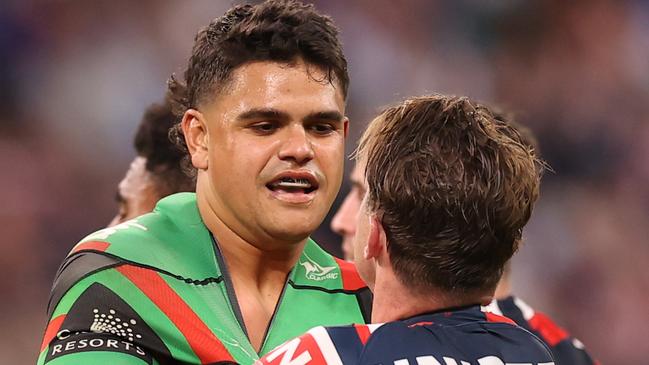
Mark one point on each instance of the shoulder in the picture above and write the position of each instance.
(153, 238)
(564, 347)
(131, 312)
(98, 313)
(171, 239)
(465, 336)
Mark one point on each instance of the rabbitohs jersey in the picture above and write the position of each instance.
(155, 290)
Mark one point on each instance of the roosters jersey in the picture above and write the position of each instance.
(461, 336)
(566, 349)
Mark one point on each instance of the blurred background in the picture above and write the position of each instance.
(76, 76)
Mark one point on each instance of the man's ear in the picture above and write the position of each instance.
(376, 242)
(196, 137)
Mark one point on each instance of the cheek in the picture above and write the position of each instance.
(332, 161)
(360, 238)
(239, 160)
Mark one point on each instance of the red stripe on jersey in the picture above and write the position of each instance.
(203, 342)
(350, 277)
(51, 331)
(491, 317)
(550, 332)
(91, 245)
(363, 332)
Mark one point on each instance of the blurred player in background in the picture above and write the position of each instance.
(155, 173)
(449, 190)
(228, 273)
(566, 350)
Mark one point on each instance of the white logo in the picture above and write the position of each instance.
(316, 272)
(111, 323)
(107, 232)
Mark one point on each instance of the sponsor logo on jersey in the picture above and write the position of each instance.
(314, 271)
(92, 341)
(111, 323)
(107, 232)
(99, 320)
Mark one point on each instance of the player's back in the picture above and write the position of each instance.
(455, 337)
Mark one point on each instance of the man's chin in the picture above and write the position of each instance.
(292, 231)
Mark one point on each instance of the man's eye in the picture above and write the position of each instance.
(264, 127)
(323, 128)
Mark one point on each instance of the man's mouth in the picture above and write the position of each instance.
(294, 186)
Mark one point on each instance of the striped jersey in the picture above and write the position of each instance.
(460, 336)
(155, 290)
(566, 349)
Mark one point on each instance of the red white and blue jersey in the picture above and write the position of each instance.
(566, 349)
(461, 336)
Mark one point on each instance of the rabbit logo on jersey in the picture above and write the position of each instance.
(316, 272)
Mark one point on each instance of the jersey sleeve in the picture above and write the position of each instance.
(91, 322)
(106, 310)
(565, 349)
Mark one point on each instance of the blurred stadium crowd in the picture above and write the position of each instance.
(77, 75)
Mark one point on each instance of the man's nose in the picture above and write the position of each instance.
(344, 221)
(297, 146)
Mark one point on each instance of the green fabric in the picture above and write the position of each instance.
(173, 242)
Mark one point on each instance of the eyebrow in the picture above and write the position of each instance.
(270, 113)
(326, 115)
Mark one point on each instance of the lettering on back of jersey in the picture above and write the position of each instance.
(487, 360)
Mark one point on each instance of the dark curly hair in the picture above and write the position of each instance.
(163, 158)
(453, 185)
(275, 30)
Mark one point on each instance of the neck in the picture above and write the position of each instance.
(260, 261)
(504, 288)
(394, 301)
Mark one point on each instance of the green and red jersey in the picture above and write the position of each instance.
(154, 290)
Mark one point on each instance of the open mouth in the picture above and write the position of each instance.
(294, 185)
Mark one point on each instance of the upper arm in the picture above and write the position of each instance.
(571, 351)
(93, 318)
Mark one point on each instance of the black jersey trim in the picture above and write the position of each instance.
(85, 263)
(74, 269)
(277, 305)
(229, 286)
(330, 291)
(205, 281)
